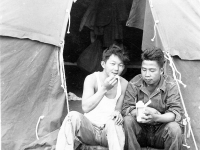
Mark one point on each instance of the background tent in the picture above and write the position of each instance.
(31, 39)
(174, 27)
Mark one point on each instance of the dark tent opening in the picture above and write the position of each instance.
(78, 41)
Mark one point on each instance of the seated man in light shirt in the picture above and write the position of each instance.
(102, 100)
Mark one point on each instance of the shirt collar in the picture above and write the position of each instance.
(161, 85)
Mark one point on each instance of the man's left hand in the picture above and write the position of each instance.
(117, 117)
(150, 114)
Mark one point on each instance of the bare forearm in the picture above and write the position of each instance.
(91, 102)
(119, 104)
(167, 117)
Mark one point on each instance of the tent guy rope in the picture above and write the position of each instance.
(178, 80)
(155, 25)
(62, 43)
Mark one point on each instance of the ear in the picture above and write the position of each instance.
(103, 64)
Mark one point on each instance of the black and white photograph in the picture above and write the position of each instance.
(100, 74)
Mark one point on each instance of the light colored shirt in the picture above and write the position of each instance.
(103, 111)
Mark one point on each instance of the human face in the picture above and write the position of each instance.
(151, 72)
(113, 66)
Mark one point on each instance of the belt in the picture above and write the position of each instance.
(101, 127)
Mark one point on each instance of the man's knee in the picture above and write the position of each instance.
(129, 121)
(112, 129)
(173, 129)
(110, 125)
(74, 116)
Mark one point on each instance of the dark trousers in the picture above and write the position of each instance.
(167, 136)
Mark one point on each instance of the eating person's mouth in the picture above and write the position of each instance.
(115, 74)
(148, 80)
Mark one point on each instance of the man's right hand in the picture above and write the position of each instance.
(109, 82)
(149, 115)
(150, 110)
(133, 113)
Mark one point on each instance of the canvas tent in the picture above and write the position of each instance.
(31, 43)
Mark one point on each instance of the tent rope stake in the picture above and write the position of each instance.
(178, 80)
(155, 25)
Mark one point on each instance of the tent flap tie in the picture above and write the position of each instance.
(185, 132)
(151, 4)
(186, 121)
(37, 125)
(176, 73)
(62, 72)
(70, 133)
(155, 25)
(69, 20)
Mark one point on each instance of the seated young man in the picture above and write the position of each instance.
(159, 126)
(102, 99)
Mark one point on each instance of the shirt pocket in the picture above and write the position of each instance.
(158, 103)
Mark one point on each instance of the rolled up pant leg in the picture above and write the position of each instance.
(115, 135)
(169, 136)
(75, 124)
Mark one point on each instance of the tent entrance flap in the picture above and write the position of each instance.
(30, 87)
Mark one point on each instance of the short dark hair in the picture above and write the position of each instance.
(154, 54)
(116, 50)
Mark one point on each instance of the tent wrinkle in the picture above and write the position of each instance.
(181, 21)
(33, 89)
(40, 21)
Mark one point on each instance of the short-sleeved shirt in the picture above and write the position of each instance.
(165, 98)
